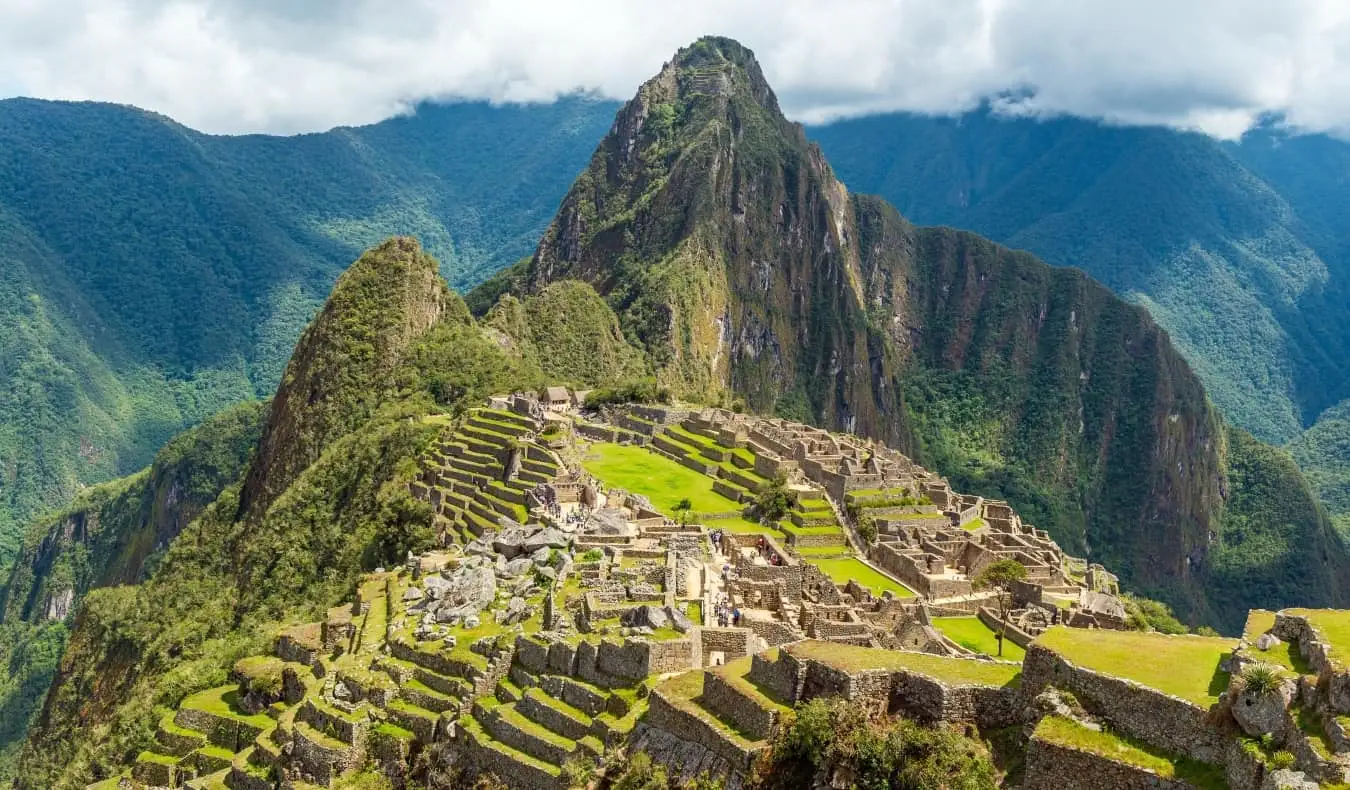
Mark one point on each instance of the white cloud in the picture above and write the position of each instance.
(296, 65)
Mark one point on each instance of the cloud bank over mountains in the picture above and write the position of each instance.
(304, 65)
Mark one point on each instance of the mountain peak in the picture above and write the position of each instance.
(712, 68)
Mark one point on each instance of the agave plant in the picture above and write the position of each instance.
(1262, 679)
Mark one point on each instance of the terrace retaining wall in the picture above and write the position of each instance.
(1167, 722)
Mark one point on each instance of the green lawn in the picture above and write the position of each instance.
(1183, 666)
(658, 478)
(841, 570)
(1333, 625)
(960, 671)
(224, 701)
(1066, 732)
(972, 634)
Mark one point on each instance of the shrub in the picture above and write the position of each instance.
(1261, 679)
(1282, 760)
(775, 501)
(578, 772)
(592, 555)
(645, 390)
(867, 529)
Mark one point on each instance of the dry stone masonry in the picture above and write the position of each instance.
(563, 619)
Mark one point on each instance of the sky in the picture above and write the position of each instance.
(286, 66)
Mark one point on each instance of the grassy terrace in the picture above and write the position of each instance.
(1333, 626)
(663, 481)
(972, 634)
(1071, 734)
(1183, 666)
(224, 702)
(1285, 654)
(842, 569)
(684, 692)
(958, 671)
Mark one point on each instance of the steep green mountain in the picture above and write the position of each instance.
(1323, 453)
(1239, 250)
(109, 535)
(734, 257)
(325, 496)
(151, 275)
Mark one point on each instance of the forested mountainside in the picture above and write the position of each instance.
(111, 534)
(1238, 249)
(733, 256)
(151, 275)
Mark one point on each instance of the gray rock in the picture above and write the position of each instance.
(1259, 714)
(548, 573)
(515, 568)
(472, 621)
(510, 541)
(1267, 641)
(645, 616)
(541, 556)
(546, 539)
(412, 594)
(679, 619)
(479, 547)
(1287, 780)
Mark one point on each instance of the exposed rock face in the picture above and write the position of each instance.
(1259, 714)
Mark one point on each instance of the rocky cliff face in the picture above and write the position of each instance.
(730, 251)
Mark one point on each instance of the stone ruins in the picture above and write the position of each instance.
(576, 607)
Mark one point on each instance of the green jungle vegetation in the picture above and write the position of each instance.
(1237, 249)
(1323, 453)
(112, 533)
(178, 279)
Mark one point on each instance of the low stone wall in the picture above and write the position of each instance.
(1153, 717)
(772, 632)
(780, 678)
(1293, 627)
(1015, 635)
(666, 715)
(1054, 767)
(751, 720)
(490, 761)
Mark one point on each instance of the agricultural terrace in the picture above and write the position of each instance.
(1333, 626)
(1285, 654)
(663, 481)
(1182, 666)
(954, 671)
(841, 570)
(1070, 734)
(972, 634)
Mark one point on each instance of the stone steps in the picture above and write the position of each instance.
(533, 772)
(482, 422)
(502, 415)
(487, 438)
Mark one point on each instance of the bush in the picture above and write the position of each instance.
(775, 501)
(1282, 760)
(641, 774)
(867, 529)
(1261, 679)
(645, 390)
(831, 737)
(592, 555)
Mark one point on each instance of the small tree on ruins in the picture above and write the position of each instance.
(775, 500)
(1001, 576)
(683, 509)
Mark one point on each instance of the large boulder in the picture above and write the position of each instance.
(516, 568)
(511, 541)
(1258, 714)
(546, 539)
(679, 619)
(1287, 780)
(645, 617)
(462, 592)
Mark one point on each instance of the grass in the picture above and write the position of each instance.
(973, 524)
(684, 692)
(656, 477)
(736, 673)
(224, 702)
(1333, 626)
(694, 610)
(972, 634)
(739, 526)
(824, 551)
(960, 671)
(1182, 666)
(842, 570)
(1071, 734)
(159, 759)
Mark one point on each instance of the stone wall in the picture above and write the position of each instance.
(1151, 716)
(1054, 767)
(686, 725)
(733, 643)
(780, 678)
(1015, 635)
(772, 632)
(751, 720)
